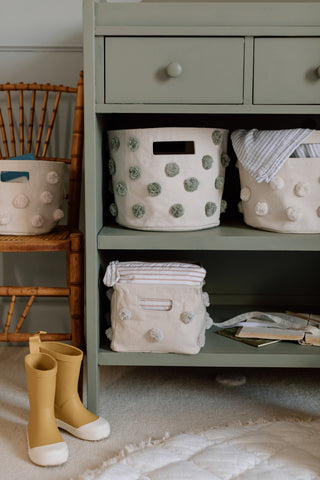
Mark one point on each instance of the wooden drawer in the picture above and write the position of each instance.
(285, 71)
(174, 70)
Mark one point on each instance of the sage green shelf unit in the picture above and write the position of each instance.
(274, 77)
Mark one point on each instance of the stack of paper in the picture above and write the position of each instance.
(301, 327)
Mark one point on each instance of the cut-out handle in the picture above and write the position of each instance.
(173, 148)
(14, 177)
(159, 304)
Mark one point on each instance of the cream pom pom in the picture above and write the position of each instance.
(46, 197)
(156, 335)
(261, 209)
(20, 201)
(37, 221)
(58, 214)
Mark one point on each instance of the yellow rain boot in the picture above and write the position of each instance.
(70, 413)
(46, 446)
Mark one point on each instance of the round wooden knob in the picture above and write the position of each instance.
(174, 69)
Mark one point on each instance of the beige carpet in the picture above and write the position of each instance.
(142, 403)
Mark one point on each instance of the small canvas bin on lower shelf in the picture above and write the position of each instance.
(31, 196)
(290, 201)
(158, 317)
(168, 178)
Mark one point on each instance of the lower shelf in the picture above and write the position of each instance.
(222, 352)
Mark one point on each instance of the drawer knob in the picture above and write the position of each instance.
(174, 69)
(318, 71)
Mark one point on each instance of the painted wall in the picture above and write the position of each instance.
(40, 41)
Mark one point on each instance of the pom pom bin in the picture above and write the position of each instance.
(290, 202)
(136, 328)
(168, 178)
(31, 196)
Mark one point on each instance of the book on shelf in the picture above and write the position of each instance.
(254, 342)
(267, 332)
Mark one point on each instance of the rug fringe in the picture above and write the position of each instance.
(124, 452)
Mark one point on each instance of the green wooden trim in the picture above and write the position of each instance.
(99, 68)
(206, 31)
(248, 71)
(200, 14)
(225, 237)
(222, 352)
(214, 108)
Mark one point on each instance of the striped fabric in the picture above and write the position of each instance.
(155, 304)
(307, 150)
(263, 152)
(171, 273)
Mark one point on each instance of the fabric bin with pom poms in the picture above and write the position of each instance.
(280, 179)
(168, 178)
(157, 307)
(31, 195)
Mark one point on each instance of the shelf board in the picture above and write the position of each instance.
(233, 236)
(222, 352)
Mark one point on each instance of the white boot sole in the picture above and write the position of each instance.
(49, 455)
(93, 431)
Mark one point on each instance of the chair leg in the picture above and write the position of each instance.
(76, 297)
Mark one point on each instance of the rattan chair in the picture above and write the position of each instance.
(33, 131)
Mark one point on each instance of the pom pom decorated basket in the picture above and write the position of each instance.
(290, 202)
(157, 307)
(168, 178)
(31, 196)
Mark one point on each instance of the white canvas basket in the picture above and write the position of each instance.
(137, 327)
(157, 307)
(31, 196)
(168, 178)
(290, 202)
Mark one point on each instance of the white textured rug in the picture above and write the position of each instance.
(281, 450)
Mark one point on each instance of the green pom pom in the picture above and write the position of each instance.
(113, 209)
(225, 160)
(191, 184)
(133, 144)
(114, 144)
(138, 210)
(172, 169)
(112, 166)
(154, 189)
(134, 172)
(210, 208)
(177, 210)
(121, 189)
(217, 137)
(219, 183)
(207, 162)
(223, 206)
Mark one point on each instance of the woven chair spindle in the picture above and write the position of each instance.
(11, 126)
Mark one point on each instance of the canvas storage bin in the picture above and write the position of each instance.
(31, 196)
(290, 202)
(168, 178)
(158, 316)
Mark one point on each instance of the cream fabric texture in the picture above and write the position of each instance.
(178, 330)
(270, 451)
(35, 205)
(290, 203)
(167, 191)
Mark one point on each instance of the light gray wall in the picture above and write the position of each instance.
(40, 41)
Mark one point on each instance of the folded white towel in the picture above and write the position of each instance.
(171, 273)
(263, 152)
